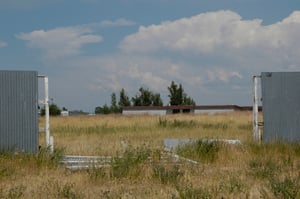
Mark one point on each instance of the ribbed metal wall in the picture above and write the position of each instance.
(281, 106)
(18, 111)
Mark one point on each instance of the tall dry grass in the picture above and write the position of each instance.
(102, 135)
(250, 170)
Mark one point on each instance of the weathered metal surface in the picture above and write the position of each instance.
(256, 130)
(281, 106)
(74, 163)
(18, 111)
(85, 162)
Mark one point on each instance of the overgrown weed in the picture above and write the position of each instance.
(97, 173)
(14, 192)
(164, 123)
(263, 169)
(130, 163)
(204, 151)
(286, 188)
(47, 158)
(188, 191)
(167, 175)
(215, 126)
(56, 189)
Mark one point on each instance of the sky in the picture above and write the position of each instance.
(90, 49)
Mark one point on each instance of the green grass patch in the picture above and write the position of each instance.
(45, 158)
(204, 151)
(164, 123)
(167, 175)
(285, 188)
(215, 126)
(129, 164)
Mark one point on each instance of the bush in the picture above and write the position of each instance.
(162, 122)
(48, 159)
(263, 169)
(200, 150)
(129, 164)
(286, 188)
(167, 176)
(193, 193)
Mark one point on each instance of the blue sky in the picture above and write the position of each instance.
(92, 48)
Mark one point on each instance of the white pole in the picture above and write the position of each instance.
(255, 110)
(51, 144)
(47, 125)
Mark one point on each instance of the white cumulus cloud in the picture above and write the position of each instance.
(60, 42)
(216, 32)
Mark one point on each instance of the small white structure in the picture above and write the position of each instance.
(164, 110)
(64, 113)
(144, 110)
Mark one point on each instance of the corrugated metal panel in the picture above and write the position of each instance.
(281, 106)
(18, 110)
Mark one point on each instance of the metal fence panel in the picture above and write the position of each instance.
(18, 111)
(281, 106)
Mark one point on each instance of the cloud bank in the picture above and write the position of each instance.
(220, 46)
(213, 32)
(214, 55)
(60, 42)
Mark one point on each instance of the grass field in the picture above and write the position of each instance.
(249, 170)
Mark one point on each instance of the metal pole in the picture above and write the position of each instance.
(47, 126)
(255, 109)
(48, 139)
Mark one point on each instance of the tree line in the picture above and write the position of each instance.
(146, 97)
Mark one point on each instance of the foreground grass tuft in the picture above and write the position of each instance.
(130, 163)
(48, 159)
(167, 175)
(204, 151)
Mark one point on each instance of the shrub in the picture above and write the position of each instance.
(96, 173)
(16, 192)
(232, 185)
(286, 188)
(200, 150)
(56, 189)
(6, 171)
(167, 176)
(193, 193)
(129, 164)
(263, 169)
(48, 159)
(222, 126)
(162, 122)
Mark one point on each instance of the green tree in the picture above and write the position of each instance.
(156, 100)
(145, 97)
(54, 110)
(124, 99)
(106, 109)
(114, 108)
(188, 101)
(178, 96)
(98, 110)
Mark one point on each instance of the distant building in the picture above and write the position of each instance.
(165, 110)
(64, 113)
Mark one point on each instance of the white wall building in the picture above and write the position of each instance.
(164, 110)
